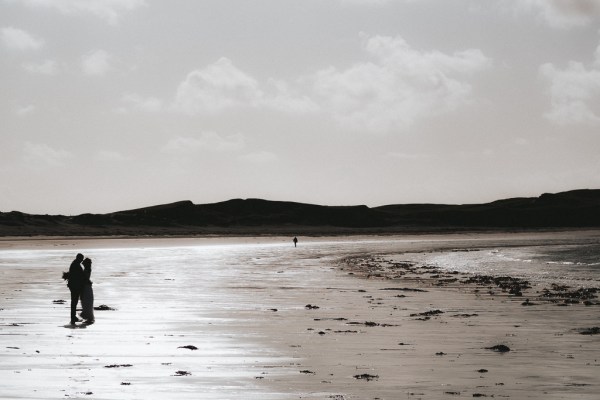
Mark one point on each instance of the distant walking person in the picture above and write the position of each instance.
(295, 240)
(87, 293)
(75, 282)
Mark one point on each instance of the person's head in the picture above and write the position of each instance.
(79, 257)
(87, 262)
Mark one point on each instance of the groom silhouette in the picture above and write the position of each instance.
(76, 283)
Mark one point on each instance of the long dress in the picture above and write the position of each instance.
(87, 297)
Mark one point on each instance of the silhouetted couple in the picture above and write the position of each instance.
(80, 285)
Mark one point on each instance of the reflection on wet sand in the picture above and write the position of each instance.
(338, 318)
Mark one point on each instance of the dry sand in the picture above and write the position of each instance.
(257, 338)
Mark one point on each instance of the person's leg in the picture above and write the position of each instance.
(91, 319)
(74, 301)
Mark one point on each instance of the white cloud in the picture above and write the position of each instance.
(375, 2)
(109, 10)
(407, 156)
(206, 141)
(39, 155)
(18, 39)
(110, 156)
(366, 2)
(135, 102)
(562, 14)
(215, 88)
(521, 141)
(574, 92)
(400, 85)
(221, 86)
(260, 157)
(25, 110)
(280, 96)
(96, 63)
(47, 67)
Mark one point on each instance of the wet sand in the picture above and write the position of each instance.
(258, 319)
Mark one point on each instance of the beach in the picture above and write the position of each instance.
(335, 318)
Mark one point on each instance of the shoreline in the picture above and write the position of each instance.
(506, 287)
(37, 241)
(279, 231)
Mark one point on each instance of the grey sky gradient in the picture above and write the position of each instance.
(114, 104)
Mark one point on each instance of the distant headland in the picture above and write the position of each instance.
(572, 209)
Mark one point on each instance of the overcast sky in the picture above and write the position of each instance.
(108, 105)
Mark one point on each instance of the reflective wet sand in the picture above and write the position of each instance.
(228, 319)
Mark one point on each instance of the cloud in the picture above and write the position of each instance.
(206, 141)
(407, 156)
(135, 102)
(39, 155)
(217, 87)
(25, 110)
(110, 156)
(109, 10)
(375, 2)
(399, 86)
(221, 86)
(47, 67)
(562, 14)
(96, 63)
(366, 2)
(574, 92)
(260, 157)
(521, 141)
(282, 97)
(18, 39)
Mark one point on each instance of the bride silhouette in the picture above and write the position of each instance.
(87, 293)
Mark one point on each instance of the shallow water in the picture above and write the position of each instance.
(570, 264)
(168, 294)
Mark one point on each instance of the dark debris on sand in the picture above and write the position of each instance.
(465, 315)
(426, 316)
(499, 348)
(367, 377)
(590, 331)
(514, 286)
(565, 294)
(366, 323)
(104, 307)
(377, 267)
(189, 346)
(427, 313)
(308, 372)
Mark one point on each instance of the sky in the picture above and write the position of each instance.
(108, 105)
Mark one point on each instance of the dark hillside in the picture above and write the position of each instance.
(574, 209)
(578, 208)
